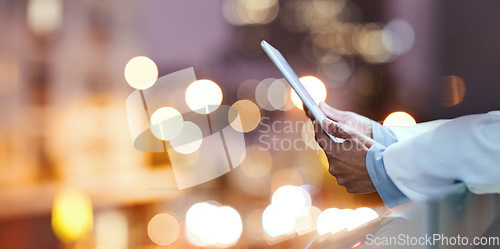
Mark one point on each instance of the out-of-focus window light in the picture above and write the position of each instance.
(72, 215)
(44, 16)
(399, 119)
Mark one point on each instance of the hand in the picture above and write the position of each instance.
(347, 119)
(347, 160)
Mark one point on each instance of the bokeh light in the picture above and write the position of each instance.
(278, 95)
(399, 36)
(189, 140)
(111, 230)
(275, 222)
(292, 200)
(44, 16)
(72, 215)
(247, 12)
(307, 222)
(453, 90)
(166, 123)
(333, 220)
(361, 216)
(141, 72)
(290, 206)
(203, 96)
(210, 224)
(244, 116)
(314, 86)
(262, 94)
(399, 119)
(163, 229)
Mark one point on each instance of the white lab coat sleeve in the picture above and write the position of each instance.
(428, 164)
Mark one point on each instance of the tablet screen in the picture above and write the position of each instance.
(294, 81)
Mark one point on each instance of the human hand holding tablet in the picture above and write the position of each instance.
(295, 83)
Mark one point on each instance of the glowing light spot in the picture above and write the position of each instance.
(453, 90)
(399, 36)
(307, 223)
(276, 223)
(399, 119)
(356, 245)
(203, 96)
(361, 216)
(189, 140)
(141, 72)
(163, 229)
(111, 230)
(257, 163)
(72, 215)
(262, 94)
(166, 123)
(314, 86)
(292, 200)
(278, 95)
(244, 116)
(245, 12)
(213, 225)
(44, 16)
(333, 220)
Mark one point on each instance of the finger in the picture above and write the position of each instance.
(308, 113)
(335, 129)
(326, 143)
(333, 113)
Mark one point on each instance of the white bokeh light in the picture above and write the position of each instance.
(292, 200)
(333, 220)
(203, 96)
(209, 224)
(361, 216)
(314, 86)
(189, 140)
(166, 123)
(276, 222)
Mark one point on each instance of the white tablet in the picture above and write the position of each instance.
(294, 81)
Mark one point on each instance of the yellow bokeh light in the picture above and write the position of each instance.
(141, 72)
(314, 86)
(166, 123)
(399, 119)
(244, 116)
(163, 229)
(203, 96)
(72, 215)
(189, 140)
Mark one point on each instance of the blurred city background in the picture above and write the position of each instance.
(71, 178)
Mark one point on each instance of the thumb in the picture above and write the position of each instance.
(335, 129)
(332, 113)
